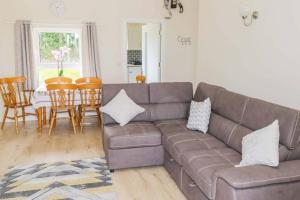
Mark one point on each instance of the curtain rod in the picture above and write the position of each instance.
(47, 23)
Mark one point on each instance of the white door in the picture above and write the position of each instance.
(151, 46)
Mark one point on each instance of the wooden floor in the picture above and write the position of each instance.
(152, 183)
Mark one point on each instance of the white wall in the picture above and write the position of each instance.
(262, 60)
(110, 16)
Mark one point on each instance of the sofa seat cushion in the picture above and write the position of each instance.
(177, 139)
(132, 135)
(171, 125)
(202, 165)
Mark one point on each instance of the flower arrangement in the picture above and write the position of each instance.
(59, 56)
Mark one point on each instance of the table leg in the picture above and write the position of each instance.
(40, 116)
(44, 116)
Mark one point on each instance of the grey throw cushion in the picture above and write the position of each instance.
(199, 116)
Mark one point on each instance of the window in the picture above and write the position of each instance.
(58, 52)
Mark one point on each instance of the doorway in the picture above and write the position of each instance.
(144, 51)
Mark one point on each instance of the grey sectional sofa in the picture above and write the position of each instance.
(202, 165)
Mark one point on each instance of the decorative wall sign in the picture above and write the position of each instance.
(184, 41)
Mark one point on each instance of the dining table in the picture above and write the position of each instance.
(41, 101)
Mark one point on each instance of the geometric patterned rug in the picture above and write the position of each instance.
(87, 179)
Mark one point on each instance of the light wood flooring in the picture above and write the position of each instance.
(151, 183)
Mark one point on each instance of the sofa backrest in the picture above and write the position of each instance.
(170, 100)
(162, 101)
(139, 93)
(234, 116)
(204, 91)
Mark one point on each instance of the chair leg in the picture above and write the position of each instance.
(72, 112)
(79, 114)
(16, 120)
(40, 127)
(4, 117)
(23, 115)
(50, 116)
(54, 124)
(44, 116)
(70, 115)
(53, 116)
(99, 115)
(82, 119)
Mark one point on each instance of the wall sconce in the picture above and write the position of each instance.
(171, 5)
(246, 13)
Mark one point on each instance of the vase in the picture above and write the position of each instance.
(60, 69)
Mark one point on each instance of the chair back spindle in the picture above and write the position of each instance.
(90, 95)
(62, 95)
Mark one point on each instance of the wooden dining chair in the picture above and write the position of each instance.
(140, 79)
(90, 95)
(88, 80)
(56, 80)
(60, 79)
(15, 96)
(62, 100)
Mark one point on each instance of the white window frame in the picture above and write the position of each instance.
(54, 29)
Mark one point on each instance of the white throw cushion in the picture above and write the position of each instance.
(122, 108)
(261, 147)
(199, 116)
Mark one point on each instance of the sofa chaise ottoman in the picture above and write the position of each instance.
(203, 165)
(139, 142)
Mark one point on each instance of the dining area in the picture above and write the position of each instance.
(56, 98)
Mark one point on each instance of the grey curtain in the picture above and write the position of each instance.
(24, 51)
(91, 51)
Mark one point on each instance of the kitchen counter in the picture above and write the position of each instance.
(131, 65)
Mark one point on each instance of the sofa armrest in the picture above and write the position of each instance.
(258, 176)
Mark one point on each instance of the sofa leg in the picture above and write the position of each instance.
(112, 170)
